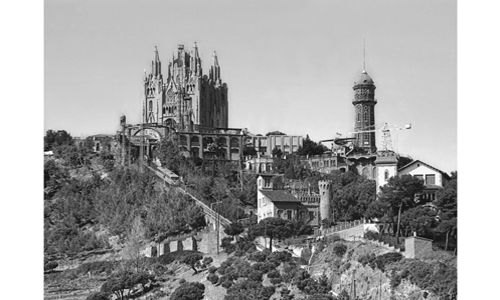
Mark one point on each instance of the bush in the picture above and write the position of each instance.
(227, 284)
(339, 249)
(383, 260)
(207, 260)
(97, 296)
(51, 265)
(182, 281)
(276, 280)
(189, 291)
(264, 267)
(213, 278)
(255, 275)
(233, 229)
(249, 289)
(97, 267)
(367, 259)
(273, 274)
(212, 270)
(258, 256)
(191, 259)
(239, 253)
(279, 256)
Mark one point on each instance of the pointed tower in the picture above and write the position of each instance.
(215, 70)
(364, 106)
(153, 88)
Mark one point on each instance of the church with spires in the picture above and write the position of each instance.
(185, 98)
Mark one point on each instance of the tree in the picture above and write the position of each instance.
(233, 229)
(132, 250)
(448, 227)
(191, 259)
(56, 138)
(277, 152)
(400, 194)
(272, 228)
(309, 147)
(189, 291)
(420, 219)
(249, 151)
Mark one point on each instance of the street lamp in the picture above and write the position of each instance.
(217, 222)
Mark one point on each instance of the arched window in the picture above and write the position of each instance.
(150, 105)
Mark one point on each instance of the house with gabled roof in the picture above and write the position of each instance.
(433, 178)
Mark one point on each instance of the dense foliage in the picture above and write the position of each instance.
(189, 291)
(272, 228)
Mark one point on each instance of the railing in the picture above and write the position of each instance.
(340, 227)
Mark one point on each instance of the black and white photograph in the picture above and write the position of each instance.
(247, 150)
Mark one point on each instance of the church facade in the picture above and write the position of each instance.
(185, 98)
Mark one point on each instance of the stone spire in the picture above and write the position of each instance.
(156, 64)
(215, 70)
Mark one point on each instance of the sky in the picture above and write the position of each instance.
(289, 65)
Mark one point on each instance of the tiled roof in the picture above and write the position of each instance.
(279, 196)
(429, 166)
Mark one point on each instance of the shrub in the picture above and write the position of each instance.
(273, 274)
(249, 289)
(383, 260)
(258, 256)
(280, 256)
(97, 296)
(189, 291)
(191, 259)
(264, 267)
(339, 249)
(233, 229)
(51, 265)
(212, 270)
(239, 253)
(227, 284)
(395, 279)
(367, 259)
(285, 294)
(97, 267)
(182, 281)
(276, 280)
(255, 275)
(207, 260)
(213, 278)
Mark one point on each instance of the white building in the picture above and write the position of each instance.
(275, 203)
(433, 178)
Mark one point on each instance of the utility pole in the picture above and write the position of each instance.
(399, 221)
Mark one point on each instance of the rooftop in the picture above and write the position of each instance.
(279, 196)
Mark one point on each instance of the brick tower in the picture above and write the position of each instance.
(364, 106)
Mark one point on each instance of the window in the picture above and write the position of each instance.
(420, 177)
(289, 214)
(267, 182)
(386, 174)
(280, 213)
(311, 215)
(430, 179)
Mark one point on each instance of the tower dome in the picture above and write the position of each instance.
(364, 79)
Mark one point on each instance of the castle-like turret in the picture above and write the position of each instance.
(325, 192)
